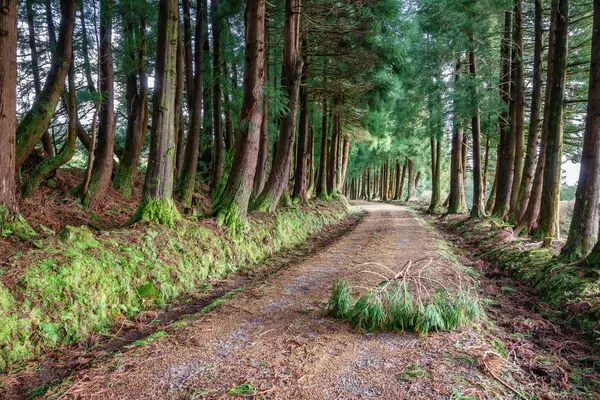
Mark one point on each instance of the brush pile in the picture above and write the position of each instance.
(415, 298)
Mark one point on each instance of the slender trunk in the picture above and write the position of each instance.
(506, 148)
(260, 176)
(229, 138)
(35, 69)
(87, 65)
(290, 79)
(157, 204)
(188, 53)
(519, 103)
(478, 208)
(299, 192)
(9, 208)
(322, 175)
(345, 155)
(137, 102)
(534, 118)
(52, 163)
(384, 181)
(532, 214)
(411, 185)
(548, 227)
(179, 98)
(400, 189)
(187, 179)
(455, 203)
(489, 206)
(311, 160)
(103, 155)
(217, 170)
(35, 123)
(332, 158)
(583, 232)
(233, 202)
(486, 166)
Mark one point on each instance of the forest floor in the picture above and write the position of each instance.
(273, 339)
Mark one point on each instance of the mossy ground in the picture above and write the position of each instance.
(71, 289)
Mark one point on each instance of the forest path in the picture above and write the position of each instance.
(276, 336)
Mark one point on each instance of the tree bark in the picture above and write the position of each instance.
(157, 204)
(290, 79)
(187, 179)
(260, 176)
(322, 174)
(455, 203)
(332, 157)
(345, 154)
(583, 231)
(411, 182)
(548, 227)
(217, 170)
(400, 188)
(534, 118)
(179, 98)
(35, 69)
(233, 202)
(478, 208)
(311, 161)
(518, 97)
(9, 208)
(87, 66)
(103, 155)
(188, 52)
(33, 125)
(506, 148)
(137, 99)
(299, 192)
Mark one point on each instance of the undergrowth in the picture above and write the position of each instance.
(82, 285)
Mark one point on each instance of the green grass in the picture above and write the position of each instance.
(220, 300)
(413, 371)
(245, 389)
(391, 306)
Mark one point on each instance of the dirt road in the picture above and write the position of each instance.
(275, 338)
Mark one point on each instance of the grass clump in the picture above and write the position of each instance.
(391, 305)
(245, 389)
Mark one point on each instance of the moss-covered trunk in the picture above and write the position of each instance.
(583, 232)
(300, 187)
(157, 203)
(478, 208)
(290, 80)
(232, 205)
(35, 122)
(455, 203)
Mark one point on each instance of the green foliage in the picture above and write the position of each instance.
(83, 285)
(391, 306)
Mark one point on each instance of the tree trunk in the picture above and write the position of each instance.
(548, 227)
(35, 69)
(290, 79)
(179, 98)
(157, 204)
(87, 66)
(517, 124)
(137, 101)
(33, 125)
(506, 148)
(534, 118)
(478, 208)
(400, 189)
(311, 161)
(411, 182)
(532, 213)
(187, 179)
(321, 188)
(9, 208)
(332, 157)
(345, 155)
(233, 202)
(260, 176)
(188, 52)
(103, 155)
(491, 201)
(66, 154)
(436, 185)
(583, 232)
(384, 181)
(217, 170)
(455, 203)
(299, 192)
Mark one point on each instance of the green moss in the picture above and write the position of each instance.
(14, 224)
(231, 218)
(75, 288)
(161, 211)
(123, 181)
(78, 235)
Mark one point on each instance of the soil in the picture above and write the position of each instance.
(276, 336)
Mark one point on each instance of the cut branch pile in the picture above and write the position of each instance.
(415, 298)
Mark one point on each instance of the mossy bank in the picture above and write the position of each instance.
(81, 283)
(572, 289)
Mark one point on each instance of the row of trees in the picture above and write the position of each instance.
(503, 86)
(245, 97)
